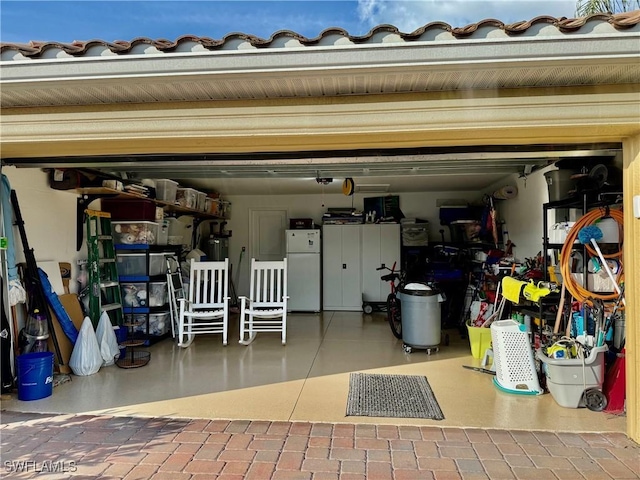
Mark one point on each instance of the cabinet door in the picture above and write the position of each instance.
(380, 248)
(351, 268)
(371, 282)
(390, 240)
(331, 267)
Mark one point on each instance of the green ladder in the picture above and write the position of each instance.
(104, 287)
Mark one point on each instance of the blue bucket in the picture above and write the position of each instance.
(35, 375)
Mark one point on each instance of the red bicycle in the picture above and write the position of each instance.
(394, 317)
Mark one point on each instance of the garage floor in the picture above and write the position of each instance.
(307, 380)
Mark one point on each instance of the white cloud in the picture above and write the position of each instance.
(409, 15)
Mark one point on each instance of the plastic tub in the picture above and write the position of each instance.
(187, 197)
(135, 264)
(200, 201)
(166, 190)
(134, 233)
(163, 232)
(158, 294)
(158, 324)
(129, 209)
(134, 295)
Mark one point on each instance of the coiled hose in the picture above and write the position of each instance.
(580, 293)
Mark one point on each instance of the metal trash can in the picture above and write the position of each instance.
(421, 317)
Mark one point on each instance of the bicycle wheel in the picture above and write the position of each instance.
(393, 315)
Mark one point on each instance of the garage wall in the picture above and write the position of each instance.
(49, 218)
(523, 214)
(420, 205)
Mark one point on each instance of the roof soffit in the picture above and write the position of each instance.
(487, 55)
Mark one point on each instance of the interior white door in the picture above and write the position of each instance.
(266, 231)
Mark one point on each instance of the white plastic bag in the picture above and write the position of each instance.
(86, 358)
(107, 340)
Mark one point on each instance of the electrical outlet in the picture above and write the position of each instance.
(636, 206)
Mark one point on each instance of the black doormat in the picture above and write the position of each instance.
(404, 396)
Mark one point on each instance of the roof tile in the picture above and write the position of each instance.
(35, 49)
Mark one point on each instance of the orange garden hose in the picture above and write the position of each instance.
(578, 291)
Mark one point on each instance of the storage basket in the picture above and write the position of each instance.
(513, 358)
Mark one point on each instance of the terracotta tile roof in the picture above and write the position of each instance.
(34, 50)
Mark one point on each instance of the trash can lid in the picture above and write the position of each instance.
(418, 289)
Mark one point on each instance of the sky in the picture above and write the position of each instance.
(22, 21)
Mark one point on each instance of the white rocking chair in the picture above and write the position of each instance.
(206, 308)
(265, 310)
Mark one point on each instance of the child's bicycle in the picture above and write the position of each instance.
(395, 279)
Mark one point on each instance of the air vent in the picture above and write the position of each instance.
(372, 188)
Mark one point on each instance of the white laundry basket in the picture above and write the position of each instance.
(513, 359)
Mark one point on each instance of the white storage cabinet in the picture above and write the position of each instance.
(341, 267)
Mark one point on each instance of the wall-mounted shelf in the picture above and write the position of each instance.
(168, 207)
(89, 194)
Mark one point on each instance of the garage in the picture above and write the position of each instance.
(438, 116)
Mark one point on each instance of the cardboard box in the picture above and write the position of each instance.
(71, 304)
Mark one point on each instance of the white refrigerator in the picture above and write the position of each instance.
(304, 270)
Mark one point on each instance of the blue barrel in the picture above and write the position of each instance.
(35, 375)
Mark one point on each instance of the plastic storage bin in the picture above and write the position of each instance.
(166, 190)
(134, 295)
(479, 339)
(135, 264)
(158, 324)
(187, 197)
(415, 235)
(421, 317)
(200, 201)
(569, 380)
(158, 294)
(163, 232)
(130, 209)
(133, 233)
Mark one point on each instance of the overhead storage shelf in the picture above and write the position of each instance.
(118, 194)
